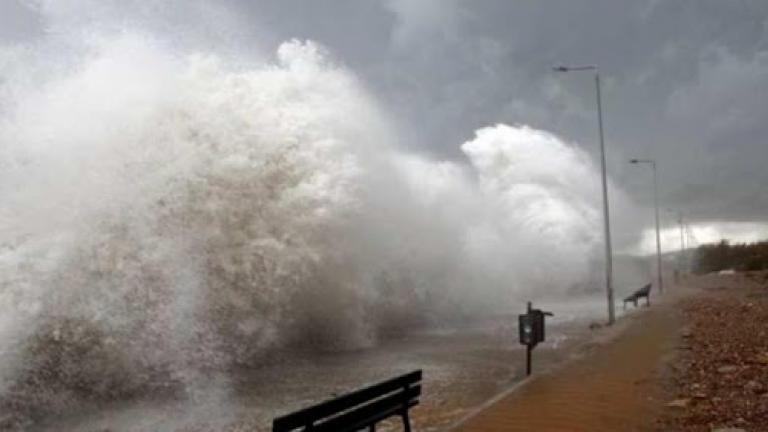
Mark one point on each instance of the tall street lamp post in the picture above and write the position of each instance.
(683, 251)
(606, 212)
(656, 209)
(681, 255)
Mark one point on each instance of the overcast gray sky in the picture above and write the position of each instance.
(685, 81)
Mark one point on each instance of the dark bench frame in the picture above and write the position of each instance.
(358, 410)
(635, 296)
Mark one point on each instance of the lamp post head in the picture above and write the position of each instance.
(573, 68)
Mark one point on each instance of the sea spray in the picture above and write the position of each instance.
(168, 217)
(173, 210)
(542, 208)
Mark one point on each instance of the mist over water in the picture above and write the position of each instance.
(170, 215)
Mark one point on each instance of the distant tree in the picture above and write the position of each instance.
(723, 255)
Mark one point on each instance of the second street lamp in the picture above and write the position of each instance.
(606, 212)
(656, 212)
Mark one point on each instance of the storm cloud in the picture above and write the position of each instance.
(685, 81)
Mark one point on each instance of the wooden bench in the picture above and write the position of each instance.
(635, 296)
(358, 410)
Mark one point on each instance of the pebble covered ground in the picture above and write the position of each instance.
(719, 380)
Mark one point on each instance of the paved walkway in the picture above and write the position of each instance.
(614, 387)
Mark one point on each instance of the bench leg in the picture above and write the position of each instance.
(648, 301)
(635, 301)
(406, 422)
(372, 428)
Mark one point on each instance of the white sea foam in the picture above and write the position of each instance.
(171, 214)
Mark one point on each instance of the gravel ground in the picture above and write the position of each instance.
(719, 380)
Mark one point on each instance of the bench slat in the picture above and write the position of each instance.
(356, 419)
(334, 406)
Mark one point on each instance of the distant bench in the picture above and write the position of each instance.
(635, 296)
(358, 410)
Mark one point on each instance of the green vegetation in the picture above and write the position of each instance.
(723, 255)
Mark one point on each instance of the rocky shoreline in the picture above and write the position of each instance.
(719, 380)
